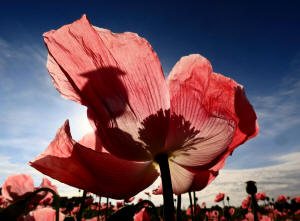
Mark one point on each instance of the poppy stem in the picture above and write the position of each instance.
(178, 212)
(99, 209)
(195, 204)
(191, 205)
(79, 215)
(169, 210)
(106, 211)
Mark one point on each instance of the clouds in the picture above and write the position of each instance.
(279, 111)
(282, 178)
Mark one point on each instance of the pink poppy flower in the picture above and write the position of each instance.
(2, 202)
(246, 203)
(195, 117)
(188, 212)
(75, 210)
(282, 198)
(129, 199)
(142, 215)
(219, 197)
(46, 197)
(265, 218)
(261, 196)
(297, 199)
(231, 211)
(249, 217)
(43, 214)
(17, 186)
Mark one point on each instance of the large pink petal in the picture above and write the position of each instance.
(97, 172)
(202, 179)
(118, 76)
(205, 113)
(92, 140)
(17, 186)
(181, 179)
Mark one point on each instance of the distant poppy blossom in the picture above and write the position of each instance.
(297, 199)
(231, 211)
(246, 202)
(142, 215)
(195, 117)
(261, 196)
(17, 186)
(282, 198)
(219, 197)
(43, 214)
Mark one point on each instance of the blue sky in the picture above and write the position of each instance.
(255, 43)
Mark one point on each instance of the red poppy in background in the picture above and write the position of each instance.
(43, 214)
(282, 198)
(246, 202)
(17, 186)
(219, 197)
(142, 215)
(261, 196)
(196, 117)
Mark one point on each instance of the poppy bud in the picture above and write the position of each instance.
(251, 187)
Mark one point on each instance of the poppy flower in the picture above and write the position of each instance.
(231, 211)
(142, 215)
(297, 199)
(246, 202)
(282, 198)
(17, 186)
(219, 197)
(261, 196)
(43, 214)
(195, 117)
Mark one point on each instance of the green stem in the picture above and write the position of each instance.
(169, 210)
(79, 215)
(254, 207)
(178, 212)
(195, 203)
(99, 209)
(106, 212)
(191, 205)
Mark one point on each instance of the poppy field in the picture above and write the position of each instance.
(180, 129)
(21, 201)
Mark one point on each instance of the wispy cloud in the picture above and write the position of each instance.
(279, 111)
(281, 178)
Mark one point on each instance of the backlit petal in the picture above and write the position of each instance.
(97, 172)
(118, 76)
(182, 179)
(92, 140)
(204, 117)
(202, 179)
